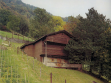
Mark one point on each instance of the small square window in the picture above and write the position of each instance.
(52, 59)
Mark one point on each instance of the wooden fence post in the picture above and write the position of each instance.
(65, 80)
(25, 78)
(11, 74)
(12, 35)
(6, 37)
(40, 71)
(17, 74)
(18, 36)
(33, 64)
(23, 37)
(7, 75)
(50, 77)
(0, 73)
(17, 50)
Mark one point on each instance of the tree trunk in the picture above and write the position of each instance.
(91, 67)
(101, 70)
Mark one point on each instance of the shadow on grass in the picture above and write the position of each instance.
(97, 76)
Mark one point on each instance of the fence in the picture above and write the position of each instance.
(23, 37)
(42, 72)
(11, 69)
(51, 78)
(16, 37)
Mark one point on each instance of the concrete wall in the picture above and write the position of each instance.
(55, 61)
(60, 63)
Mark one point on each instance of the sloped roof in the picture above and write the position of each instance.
(63, 31)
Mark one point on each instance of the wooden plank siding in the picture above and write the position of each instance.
(49, 50)
(57, 47)
(38, 50)
(29, 50)
(54, 50)
(58, 38)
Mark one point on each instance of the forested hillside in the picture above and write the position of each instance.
(18, 7)
(27, 20)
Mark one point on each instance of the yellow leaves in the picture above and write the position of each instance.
(58, 28)
(58, 23)
(108, 30)
(71, 24)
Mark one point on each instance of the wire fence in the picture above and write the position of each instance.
(13, 71)
(16, 37)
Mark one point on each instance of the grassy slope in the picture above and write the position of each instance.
(26, 68)
(9, 35)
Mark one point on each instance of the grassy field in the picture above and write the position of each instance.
(9, 35)
(20, 68)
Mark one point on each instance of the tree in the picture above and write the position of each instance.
(41, 24)
(90, 35)
(58, 23)
(23, 26)
(4, 16)
(75, 51)
(13, 23)
(71, 24)
(107, 55)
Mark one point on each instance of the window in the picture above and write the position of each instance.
(52, 60)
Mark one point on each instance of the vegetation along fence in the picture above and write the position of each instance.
(17, 67)
(15, 37)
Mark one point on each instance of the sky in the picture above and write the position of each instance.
(65, 8)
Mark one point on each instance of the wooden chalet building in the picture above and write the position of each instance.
(49, 50)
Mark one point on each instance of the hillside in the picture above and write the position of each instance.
(18, 7)
(17, 67)
(15, 36)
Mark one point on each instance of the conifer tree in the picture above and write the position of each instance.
(90, 41)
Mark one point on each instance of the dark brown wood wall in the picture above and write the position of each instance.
(58, 38)
(57, 47)
(54, 50)
(38, 50)
(29, 50)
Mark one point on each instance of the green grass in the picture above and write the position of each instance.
(26, 68)
(9, 35)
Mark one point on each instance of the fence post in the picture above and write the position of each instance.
(11, 74)
(6, 37)
(17, 50)
(12, 35)
(40, 71)
(33, 64)
(17, 74)
(65, 80)
(23, 37)
(50, 77)
(0, 73)
(7, 75)
(25, 78)
(18, 36)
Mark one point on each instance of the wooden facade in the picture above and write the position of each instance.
(49, 50)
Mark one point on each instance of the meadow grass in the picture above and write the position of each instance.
(9, 35)
(26, 68)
